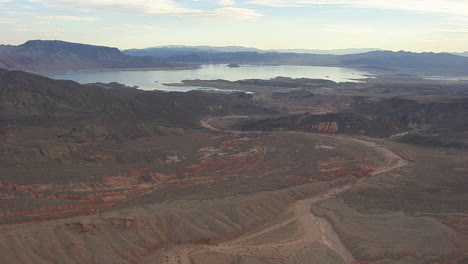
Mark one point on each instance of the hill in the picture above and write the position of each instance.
(377, 60)
(26, 94)
(330, 52)
(270, 58)
(409, 62)
(165, 51)
(465, 54)
(104, 173)
(37, 107)
(57, 56)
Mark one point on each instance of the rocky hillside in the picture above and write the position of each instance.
(439, 122)
(46, 120)
(423, 120)
(57, 56)
(25, 94)
(417, 112)
(336, 123)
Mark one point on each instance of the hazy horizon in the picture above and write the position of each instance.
(429, 26)
(239, 46)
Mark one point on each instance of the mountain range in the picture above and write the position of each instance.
(465, 54)
(41, 56)
(56, 56)
(373, 171)
(426, 63)
(167, 50)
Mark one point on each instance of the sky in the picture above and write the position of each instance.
(410, 25)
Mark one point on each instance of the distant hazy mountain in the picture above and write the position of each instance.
(5, 48)
(221, 49)
(428, 62)
(465, 54)
(402, 62)
(50, 56)
(166, 51)
(271, 58)
(331, 52)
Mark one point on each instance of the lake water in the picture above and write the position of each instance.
(150, 80)
(446, 78)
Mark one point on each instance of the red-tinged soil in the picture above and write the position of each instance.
(220, 168)
(133, 178)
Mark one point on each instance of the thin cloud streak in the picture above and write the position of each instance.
(132, 27)
(357, 31)
(155, 8)
(7, 21)
(71, 18)
(226, 2)
(226, 13)
(453, 7)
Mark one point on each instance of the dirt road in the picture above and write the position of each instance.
(311, 229)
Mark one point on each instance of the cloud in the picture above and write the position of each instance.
(21, 29)
(51, 32)
(150, 28)
(72, 18)
(136, 6)
(348, 30)
(147, 27)
(462, 39)
(226, 2)
(155, 8)
(7, 21)
(133, 27)
(218, 2)
(227, 13)
(454, 30)
(453, 7)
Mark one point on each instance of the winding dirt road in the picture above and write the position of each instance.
(312, 229)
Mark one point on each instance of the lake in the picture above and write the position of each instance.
(446, 78)
(151, 80)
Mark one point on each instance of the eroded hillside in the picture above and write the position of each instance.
(304, 172)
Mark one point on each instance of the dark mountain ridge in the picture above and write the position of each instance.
(426, 63)
(404, 119)
(443, 62)
(165, 50)
(57, 56)
(271, 58)
(57, 47)
(465, 53)
(26, 94)
(48, 120)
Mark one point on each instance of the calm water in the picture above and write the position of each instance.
(446, 78)
(150, 80)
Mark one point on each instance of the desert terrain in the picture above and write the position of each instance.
(302, 171)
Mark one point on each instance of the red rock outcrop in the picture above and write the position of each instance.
(326, 127)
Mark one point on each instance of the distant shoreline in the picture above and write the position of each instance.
(124, 69)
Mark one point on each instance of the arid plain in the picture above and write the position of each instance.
(302, 171)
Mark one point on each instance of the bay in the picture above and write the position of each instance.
(155, 79)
